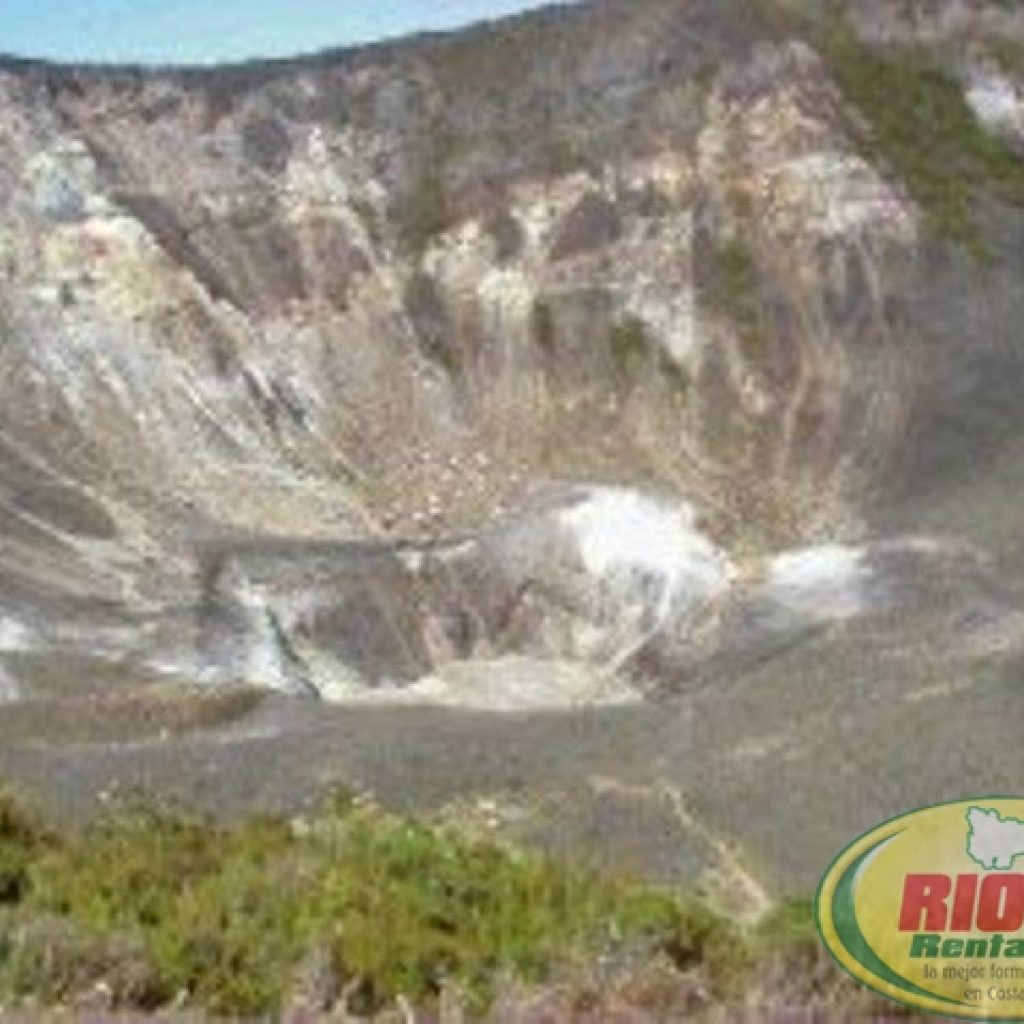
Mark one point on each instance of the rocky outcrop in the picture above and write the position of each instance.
(611, 338)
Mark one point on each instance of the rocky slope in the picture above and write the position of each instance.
(654, 357)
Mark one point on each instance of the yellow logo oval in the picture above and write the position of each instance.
(928, 909)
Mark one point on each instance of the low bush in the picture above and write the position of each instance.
(919, 125)
(155, 908)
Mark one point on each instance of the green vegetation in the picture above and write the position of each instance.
(633, 347)
(629, 342)
(542, 326)
(918, 123)
(21, 839)
(730, 287)
(422, 213)
(506, 233)
(434, 329)
(594, 223)
(789, 928)
(162, 908)
(1007, 52)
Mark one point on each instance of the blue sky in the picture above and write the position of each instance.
(201, 31)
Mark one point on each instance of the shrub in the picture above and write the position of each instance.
(22, 838)
(266, 144)
(507, 234)
(633, 349)
(542, 326)
(153, 908)
(629, 342)
(592, 224)
(431, 322)
(919, 125)
(731, 285)
(422, 212)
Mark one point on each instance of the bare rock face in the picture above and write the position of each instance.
(605, 355)
(380, 296)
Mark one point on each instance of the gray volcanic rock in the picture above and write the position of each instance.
(650, 356)
(9, 690)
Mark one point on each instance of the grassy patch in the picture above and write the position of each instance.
(22, 837)
(161, 908)
(919, 125)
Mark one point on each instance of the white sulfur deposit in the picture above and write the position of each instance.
(622, 534)
(14, 636)
(822, 582)
(996, 102)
